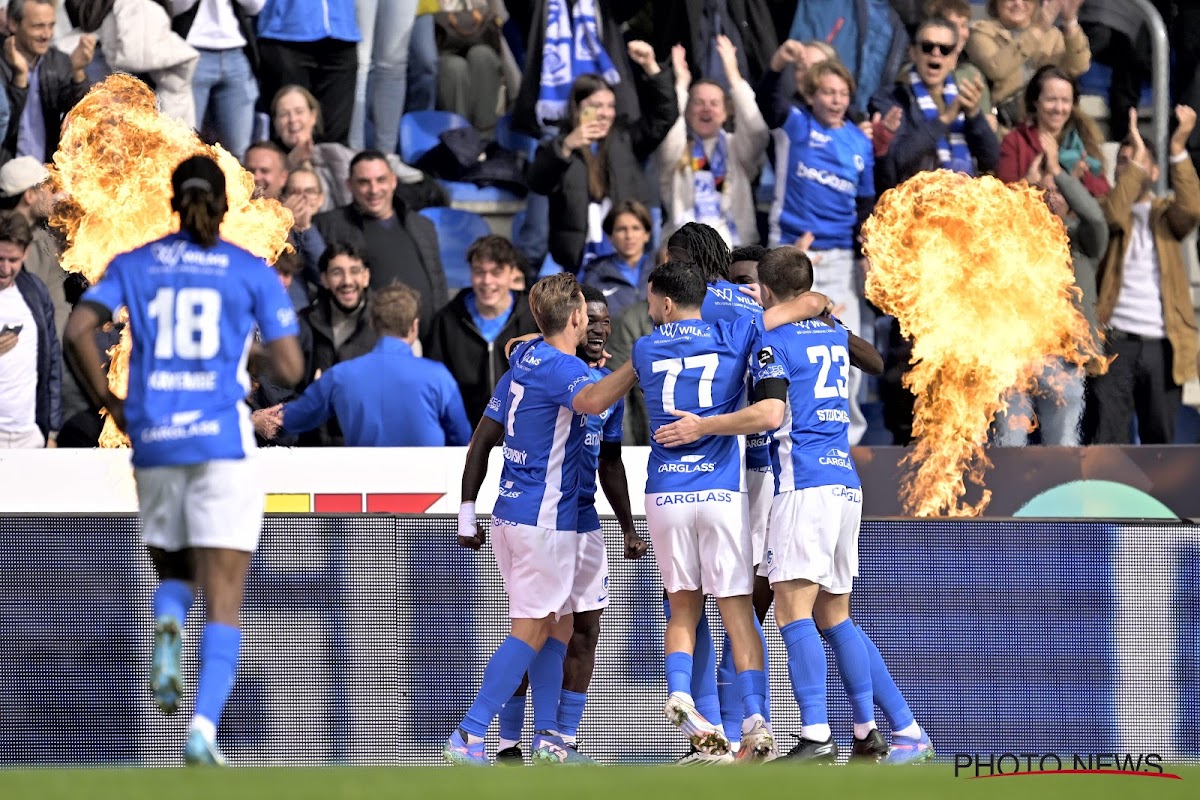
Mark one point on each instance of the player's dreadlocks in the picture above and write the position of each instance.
(706, 249)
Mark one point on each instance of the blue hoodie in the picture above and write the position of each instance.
(308, 20)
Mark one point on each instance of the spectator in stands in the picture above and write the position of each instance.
(696, 26)
(1118, 38)
(297, 120)
(267, 162)
(224, 87)
(25, 189)
(1145, 301)
(313, 44)
(596, 162)
(1186, 74)
(706, 174)
(958, 12)
(468, 335)
(82, 419)
(1058, 399)
(30, 356)
(400, 245)
(621, 276)
(634, 323)
(827, 190)
(303, 196)
(387, 28)
(1054, 120)
(33, 68)
(290, 268)
(363, 393)
(868, 35)
(336, 327)
(944, 126)
(1020, 37)
(811, 54)
(472, 73)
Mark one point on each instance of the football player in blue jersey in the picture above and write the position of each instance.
(194, 301)
(812, 541)
(589, 595)
(535, 521)
(695, 506)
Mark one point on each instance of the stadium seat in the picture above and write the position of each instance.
(456, 230)
(509, 139)
(419, 131)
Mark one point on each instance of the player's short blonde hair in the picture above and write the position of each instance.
(394, 309)
(552, 301)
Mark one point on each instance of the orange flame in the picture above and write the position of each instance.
(114, 165)
(979, 275)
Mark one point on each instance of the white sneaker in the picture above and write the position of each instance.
(758, 743)
(704, 736)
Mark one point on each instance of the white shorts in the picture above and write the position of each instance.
(538, 567)
(216, 504)
(813, 536)
(702, 544)
(590, 589)
(760, 485)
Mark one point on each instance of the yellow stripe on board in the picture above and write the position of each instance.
(288, 504)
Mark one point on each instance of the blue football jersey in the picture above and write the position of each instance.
(606, 427)
(725, 302)
(192, 311)
(544, 439)
(812, 446)
(698, 367)
(822, 172)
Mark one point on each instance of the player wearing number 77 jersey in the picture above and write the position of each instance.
(695, 506)
(801, 373)
(193, 300)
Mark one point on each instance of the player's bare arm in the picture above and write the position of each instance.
(488, 433)
(765, 415)
(80, 337)
(616, 488)
(598, 397)
(863, 354)
(801, 307)
(287, 360)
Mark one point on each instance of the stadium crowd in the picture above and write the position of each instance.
(613, 124)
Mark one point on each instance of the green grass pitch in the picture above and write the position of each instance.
(786, 782)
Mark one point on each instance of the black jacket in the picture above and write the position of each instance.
(49, 355)
(345, 224)
(628, 145)
(316, 342)
(56, 91)
(476, 365)
(749, 26)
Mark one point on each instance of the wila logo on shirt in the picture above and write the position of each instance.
(688, 465)
(677, 330)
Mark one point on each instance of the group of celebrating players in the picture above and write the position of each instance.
(746, 520)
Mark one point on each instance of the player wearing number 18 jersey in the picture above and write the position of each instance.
(194, 301)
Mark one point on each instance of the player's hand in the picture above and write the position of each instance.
(1186, 115)
(82, 55)
(635, 546)
(604, 357)
(8, 341)
(268, 421)
(753, 291)
(116, 409)
(512, 343)
(470, 535)
(684, 430)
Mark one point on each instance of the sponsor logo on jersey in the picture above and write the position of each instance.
(165, 381)
(515, 456)
(679, 329)
(833, 415)
(688, 464)
(506, 490)
(836, 458)
(581, 379)
(171, 255)
(170, 433)
(529, 359)
(286, 317)
(592, 439)
(772, 371)
(679, 498)
(497, 522)
(494, 404)
(825, 178)
(766, 356)
(758, 440)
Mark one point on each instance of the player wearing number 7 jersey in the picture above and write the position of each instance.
(695, 506)
(194, 301)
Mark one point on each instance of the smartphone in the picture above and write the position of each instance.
(12, 329)
(587, 115)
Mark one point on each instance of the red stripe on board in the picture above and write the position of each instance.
(401, 503)
(337, 503)
(1083, 772)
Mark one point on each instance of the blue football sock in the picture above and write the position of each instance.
(173, 598)
(806, 666)
(752, 686)
(570, 711)
(730, 695)
(679, 673)
(704, 689)
(854, 667)
(762, 638)
(887, 695)
(512, 718)
(501, 677)
(545, 684)
(219, 646)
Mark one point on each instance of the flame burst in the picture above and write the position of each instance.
(114, 166)
(979, 275)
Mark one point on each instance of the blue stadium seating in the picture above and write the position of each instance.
(456, 230)
(419, 131)
(512, 140)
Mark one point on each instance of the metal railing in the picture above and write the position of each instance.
(1161, 84)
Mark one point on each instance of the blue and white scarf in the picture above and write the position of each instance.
(570, 50)
(708, 185)
(953, 154)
